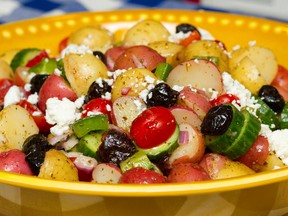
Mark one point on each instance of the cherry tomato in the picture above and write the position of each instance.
(281, 78)
(37, 59)
(223, 99)
(37, 115)
(98, 105)
(139, 175)
(5, 85)
(152, 127)
(63, 44)
(256, 154)
(192, 37)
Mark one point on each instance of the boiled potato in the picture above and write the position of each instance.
(169, 50)
(263, 58)
(96, 38)
(16, 124)
(145, 32)
(248, 74)
(272, 162)
(206, 48)
(5, 69)
(58, 166)
(135, 81)
(233, 169)
(82, 70)
(9, 55)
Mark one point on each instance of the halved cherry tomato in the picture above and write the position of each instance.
(152, 127)
(63, 44)
(223, 99)
(192, 37)
(37, 59)
(5, 85)
(98, 105)
(37, 115)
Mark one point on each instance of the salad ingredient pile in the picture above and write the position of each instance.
(144, 106)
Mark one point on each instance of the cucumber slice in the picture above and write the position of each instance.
(249, 132)
(23, 56)
(89, 144)
(91, 123)
(46, 66)
(139, 159)
(283, 118)
(267, 115)
(222, 142)
(165, 148)
(162, 70)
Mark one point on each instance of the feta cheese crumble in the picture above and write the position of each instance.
(61, 114)
(278, 142)
(13, 96)
(76, 49)
(234, 87)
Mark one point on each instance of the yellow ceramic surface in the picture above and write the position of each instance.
(260, 194)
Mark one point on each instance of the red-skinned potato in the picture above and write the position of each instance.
(196, 100)
(198, 73)
(221, 167)
(14, 161)
(257, 154)
(187, 172)
(139, 57)
(191, 146)
(186, 115)
(139, 175)
(106, 173)
(54, 86)
(212, 163)
(112, 55)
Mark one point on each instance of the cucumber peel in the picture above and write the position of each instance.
(238, 138)
(283, 118)
(139, 159)
(221, 142)
(46, 66)
(165, 148)
(89, 144)
(23, 56)
(248, 134)
(91, 123)
(162, 70)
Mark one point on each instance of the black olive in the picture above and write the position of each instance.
(100, 55)
(97, 90)
(162, 95)
(35, 147)
(185, 28)
(217, 120)
(37, 82)
(272, 98)
(116, 147)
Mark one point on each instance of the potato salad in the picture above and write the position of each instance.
(144, 104)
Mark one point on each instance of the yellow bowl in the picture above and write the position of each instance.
(260, 194)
